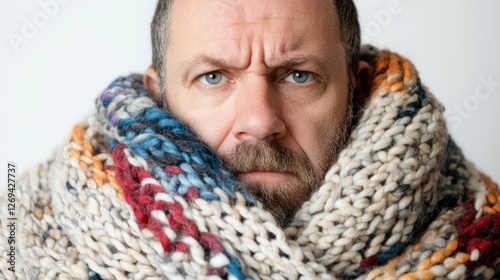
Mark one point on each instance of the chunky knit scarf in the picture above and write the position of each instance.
(135, 195)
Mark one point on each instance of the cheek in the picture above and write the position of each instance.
(212, 126)
(210, 123)
(311, 135)
(317, 130)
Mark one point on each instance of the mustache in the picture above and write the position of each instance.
(268, 156)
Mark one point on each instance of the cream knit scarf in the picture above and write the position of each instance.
(135, 195)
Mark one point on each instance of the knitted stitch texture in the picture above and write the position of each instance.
(134, 194)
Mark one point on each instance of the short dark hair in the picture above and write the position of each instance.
(349, 32)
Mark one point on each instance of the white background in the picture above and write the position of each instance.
(49, 81)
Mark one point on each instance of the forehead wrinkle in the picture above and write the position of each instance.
(259, 20)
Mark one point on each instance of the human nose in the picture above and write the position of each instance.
(258, 112)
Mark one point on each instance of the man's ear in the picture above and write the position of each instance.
(363, 85)
(151, 81)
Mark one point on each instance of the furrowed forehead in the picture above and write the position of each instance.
(227, 34)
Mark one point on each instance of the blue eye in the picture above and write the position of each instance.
(299, 77)
(212, 78)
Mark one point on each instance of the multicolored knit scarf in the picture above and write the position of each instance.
(135, 195)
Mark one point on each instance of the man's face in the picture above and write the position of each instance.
(265, 84)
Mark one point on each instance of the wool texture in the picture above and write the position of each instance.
(134, 194)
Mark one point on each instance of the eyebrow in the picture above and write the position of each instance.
(199, 61)
(301, 60)
(202, 60)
